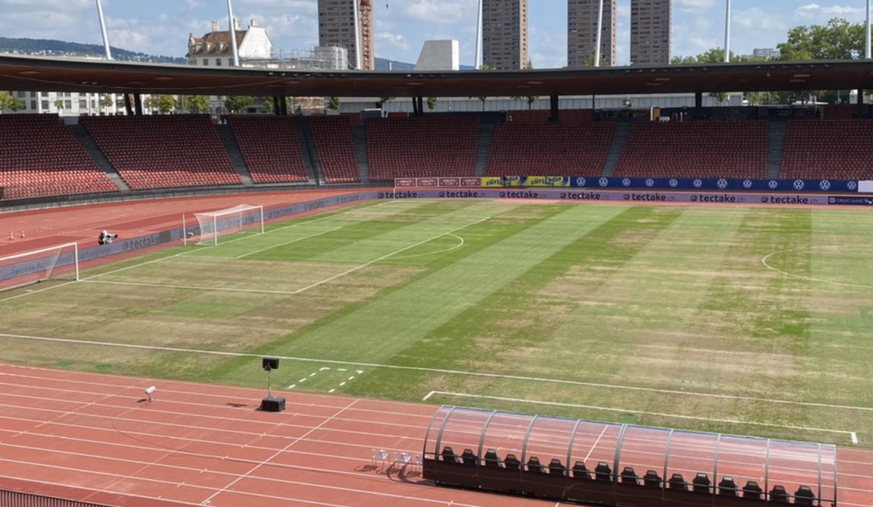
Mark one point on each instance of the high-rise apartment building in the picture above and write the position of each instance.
(336, 27)
(582, 33)
(650, 32)
(504, 34)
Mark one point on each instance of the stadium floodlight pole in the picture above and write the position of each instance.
(599, 34)
(358, 59)
(867, 54)
(103, 30)
(233, 34)
(476, 60)
(727, 32)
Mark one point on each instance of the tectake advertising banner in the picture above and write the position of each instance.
(716, 184)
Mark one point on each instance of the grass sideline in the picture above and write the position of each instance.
(741, 320)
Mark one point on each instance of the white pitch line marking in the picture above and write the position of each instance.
(374, 261)
(332, 390)
(642, 412)
(436, 370)
(312, 374)
(324, 368)
(288, 242)
(428, 395)
(854, 438)
(292, 386)
(342, 384)
(303, 380)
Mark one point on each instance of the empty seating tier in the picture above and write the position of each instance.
(39, 157)
(696, 149)
(422, 147)
(836, 150)
(270, 147)
(335, 147)
(163, 151)
(553, 149)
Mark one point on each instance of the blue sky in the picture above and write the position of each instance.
(162, 26)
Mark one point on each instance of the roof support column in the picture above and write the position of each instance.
(420, 101)
(137, 102)
(283, 105)
(860, 103)
(128, 106)
(554, 117)
(276, 108)
(698, 104)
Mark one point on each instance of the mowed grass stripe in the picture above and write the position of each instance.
(392, 323)
(517, 324)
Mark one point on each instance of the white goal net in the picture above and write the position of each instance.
(59, 263)
(218, 224)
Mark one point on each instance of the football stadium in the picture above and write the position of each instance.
(519, 308)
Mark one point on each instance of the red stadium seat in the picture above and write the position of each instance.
(336, 149)
(270, 147)
(40, 157)
(552, 149)
(696, 149)
(833, 150)
(402, 147)
(163, 151)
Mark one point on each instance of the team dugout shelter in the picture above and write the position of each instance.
(620, 464)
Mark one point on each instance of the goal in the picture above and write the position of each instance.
(59, 263)
(217, 224)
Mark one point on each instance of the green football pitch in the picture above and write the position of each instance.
(738, 320)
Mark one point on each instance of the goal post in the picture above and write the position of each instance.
(57, 263)
(217, 224)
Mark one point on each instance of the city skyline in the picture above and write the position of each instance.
(400, 29)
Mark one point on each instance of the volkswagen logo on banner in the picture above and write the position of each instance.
(722, 183)
(852, 185)
(650, 183)
(626, 182)
(825, 185)
(580, 182)
(798, 185)
(604, 182)
(747, 184)
(773, 184)
(698, 183)
(674, 183)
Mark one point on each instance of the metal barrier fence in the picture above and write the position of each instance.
(16, 499)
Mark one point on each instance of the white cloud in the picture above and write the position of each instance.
(434, 11)
(396, 40)
(759, 18)
(694, 5)
(814, 10)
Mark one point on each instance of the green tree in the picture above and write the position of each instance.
(837, 40)
(431, 103)
(237, 103)
(590, 61)
(10, 102)
(59, 104)
(334, 104)
(197, 104)
(166, 104)
(105, 102)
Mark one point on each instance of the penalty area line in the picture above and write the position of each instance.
(851, 434)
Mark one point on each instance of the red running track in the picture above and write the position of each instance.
(92, 437)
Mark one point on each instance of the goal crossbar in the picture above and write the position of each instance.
(214, 224)
(36, 266)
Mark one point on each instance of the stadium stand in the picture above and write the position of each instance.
(163, 151)
(39, 157)
(836, 150)
(401, 147)
(270, 147)
(552, 149)
(696, 149)
(335, 147)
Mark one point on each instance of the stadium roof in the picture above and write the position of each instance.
(27, 73)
